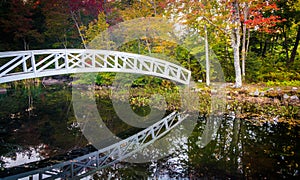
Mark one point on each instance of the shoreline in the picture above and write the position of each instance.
(257, 102)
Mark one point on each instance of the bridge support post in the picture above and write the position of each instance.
(56, 62)
(116, 61)
(33, 63)
(94, 60)
(24, 64)
(66, 60)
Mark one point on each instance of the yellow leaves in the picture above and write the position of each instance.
(82, 28)
(163, 46)
(94, 28)
(158, 49)
(138, 9)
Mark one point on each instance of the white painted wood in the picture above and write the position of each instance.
(40, 63)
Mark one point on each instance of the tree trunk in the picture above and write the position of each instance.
(148, 46)
(235, 38)
(272, 44)
(78, 29)
(235, 142)
(248, 42)
(154, 7)
(26, 45)
(264, 50)
(235, 44)
(286, 46)
(294, 51)
(139, 46)
(261, 44)
(244, 40)
(207, 58)
(244, 51)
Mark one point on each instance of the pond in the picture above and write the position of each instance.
(38, 123)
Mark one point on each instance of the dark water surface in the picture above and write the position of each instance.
(37, 123)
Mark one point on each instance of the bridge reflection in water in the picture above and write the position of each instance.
(21, 65)
(95, 161)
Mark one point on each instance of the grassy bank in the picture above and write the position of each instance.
(256, 102)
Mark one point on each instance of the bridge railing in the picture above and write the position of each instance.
(95, 161)
(38, 63)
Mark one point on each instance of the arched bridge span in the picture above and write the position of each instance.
(19, 65)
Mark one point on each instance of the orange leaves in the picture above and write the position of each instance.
(262, 18)
(36, 4)
(260, 14)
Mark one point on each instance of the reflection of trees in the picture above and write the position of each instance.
(18, 156)
(238, 149)
(16, 101)
(48, 124)
(242, 149)
(126, 171)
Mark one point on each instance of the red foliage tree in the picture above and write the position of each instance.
(262, 18)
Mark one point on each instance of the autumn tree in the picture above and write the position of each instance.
(227, 17)
(82, 12)
(257, 16)
(223, 15)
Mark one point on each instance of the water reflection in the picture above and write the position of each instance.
(37, 118)
(24, 156)
(240, 148)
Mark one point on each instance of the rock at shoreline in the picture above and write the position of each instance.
(256, 93)
(3, 90)
(294, 89)
(52, 81)
(294, 98)
(285, 96)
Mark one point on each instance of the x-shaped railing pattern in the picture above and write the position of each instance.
(18, 65)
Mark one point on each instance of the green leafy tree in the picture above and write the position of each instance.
(59, 28)
(290, 29)
(95, 28)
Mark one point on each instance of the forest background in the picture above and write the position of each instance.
(254, 40)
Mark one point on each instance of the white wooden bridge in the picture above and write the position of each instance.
(18, 65)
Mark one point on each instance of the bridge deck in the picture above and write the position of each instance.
(18, 65)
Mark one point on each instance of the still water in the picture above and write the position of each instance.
(38, 123)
